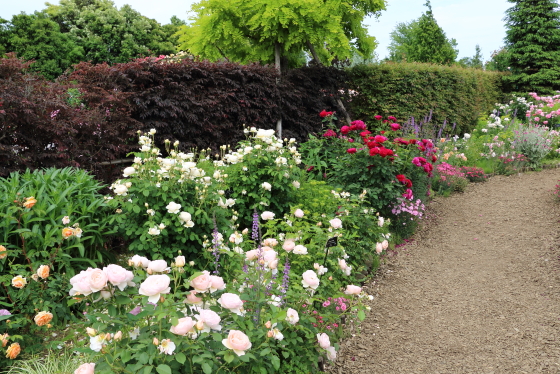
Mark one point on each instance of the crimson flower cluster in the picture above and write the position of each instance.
(324, 114)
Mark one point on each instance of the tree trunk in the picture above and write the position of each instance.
(277, 66)
(313, 53)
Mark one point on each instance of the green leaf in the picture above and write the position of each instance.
(207, 369)
(146, 193)
(228, 357)
(136, 209)
(180, 357)
(265, 351)
(361, 315)
(163, 369)
(275, 362)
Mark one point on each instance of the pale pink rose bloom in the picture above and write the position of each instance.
(378, 248)
(270, 242)
(210, 319)
(80, 283)
(118, 276)
(331, 353)
(193, 299)
(251, 255)
(292, 316)
(180, 261)
(97, 280)
(352, 290)
(85, 369)
(232, 302)
(202, 283)
(184, 326)
(288, 245)
(157, 266)
(324, 340)
(155, 285)
(139, 261)
(216, 283)
(310, 279)
(267, 215)
(385, 244)
(342, 263)
(300, 250)
(273, 264)
(167, 347)
(298, 213)
(266, 248)
(237, 341)
(269, 256)
(336, 223)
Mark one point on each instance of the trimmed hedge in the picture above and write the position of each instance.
(404, 90)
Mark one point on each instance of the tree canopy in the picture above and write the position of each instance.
(250, 30)
(422, 40)
(533, 45)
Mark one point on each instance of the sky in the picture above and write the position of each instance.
(469, 22)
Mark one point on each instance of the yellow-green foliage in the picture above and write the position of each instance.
(456, 94)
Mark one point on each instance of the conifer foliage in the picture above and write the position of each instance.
(533, 45)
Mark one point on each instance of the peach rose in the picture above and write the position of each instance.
(4, 339)
(43, 271)
(184, 326)
(155, 285)
(203, 282)
(3, 252)
(237, 341)
(88, 368)
(19, 282)
(270, 242)
(42, 318)
(232, 302)
(352, 290)
(67, 232)
(29, 202)
(310, 279)
(13, 351)
(324, 341)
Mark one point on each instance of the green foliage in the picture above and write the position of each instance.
(422, 40)
(472, 62)
(532, 141)
(498, 61)
(532, 39)
(407, 90)
(37, 37)
(245, 31)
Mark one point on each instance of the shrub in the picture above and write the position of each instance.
(474, 174)
(449, 179)
(534, 142)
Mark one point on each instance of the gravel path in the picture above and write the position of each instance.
(476, 292)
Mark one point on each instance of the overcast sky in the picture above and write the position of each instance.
(470, 22)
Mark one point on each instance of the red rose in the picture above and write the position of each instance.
(401, 177)
(345, 129)
(359, 125)
(372, 145)
(363, 134)
(329, 134)
(324, 114)
(374, 151)
(378, 117)
(380, 138)
(434, 158)
(408, 183)
(351, 150)
(395, 126)
(412, 141)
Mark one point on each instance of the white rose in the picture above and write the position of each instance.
(173, 208)
(267, 186)
(129, 171)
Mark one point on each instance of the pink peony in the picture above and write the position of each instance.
(237, 341)
(202, 283)
(310, 279)
(232, 302)
(184, 326)
(324, 341)
(352, 290)
(155, 285)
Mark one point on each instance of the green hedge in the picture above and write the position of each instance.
(404, 90)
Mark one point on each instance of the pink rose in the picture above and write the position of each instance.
(232, 302)
(80, 283)
(251, 255)
(210, 319)
(378, 248)
(269, 256)
(97, 280)
(157, 266)
(310, 279)
(184, 326)
(85, 369)
(385, 244)
(324, 341)
(237, 341)
(202, 283)
(270, 242)
(352, 290)
(342, 263)
(331, 353)
(138, 261)
(267, 215)
(336, 223)
(118, 276)
(155, 285)
(216, 283)
(193, 299)
(288, 245)
(292, 316)
(298, 213)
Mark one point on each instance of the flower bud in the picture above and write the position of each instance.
(118, 335)
(270, 333)
(268, 324)
(155, 341)
(91, 332)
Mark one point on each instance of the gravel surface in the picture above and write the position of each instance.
(477, 291)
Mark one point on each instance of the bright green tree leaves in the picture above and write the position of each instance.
(249, 30)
